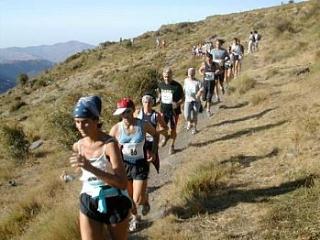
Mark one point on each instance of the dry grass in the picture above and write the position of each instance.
(243, 84)
(224, 196)
(258, 98)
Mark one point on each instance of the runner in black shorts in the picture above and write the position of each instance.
(103, 198)
(220, 55)
(208, 70)
(171, 97)
(131, 134)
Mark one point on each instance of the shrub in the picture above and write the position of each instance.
(13, 224)
(284, 25)
(135, 81)
(23, 79)
(14, 142)
(106, 44)
(74, 56)
(17, 105)
(258, 98)
(63, 127)
(244, 84)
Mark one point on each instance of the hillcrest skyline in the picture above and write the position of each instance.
(33, 23)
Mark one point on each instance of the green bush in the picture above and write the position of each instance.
(23, 79)
(63, 128)
(14, 142)
(135, 81)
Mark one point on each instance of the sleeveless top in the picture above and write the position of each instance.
(209, 71)
(150, 118)
(132, 144)
(236, 49)
(91, 184)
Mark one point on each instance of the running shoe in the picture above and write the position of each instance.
(164, 141)
(188, 127)
(171, 150)
(209, 114)
(133, 224)
(145, 209)
(194, 131)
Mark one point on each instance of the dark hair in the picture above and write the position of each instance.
(209, 55)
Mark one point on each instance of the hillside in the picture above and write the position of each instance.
(251, 172)
(10, 71)
(33, 60)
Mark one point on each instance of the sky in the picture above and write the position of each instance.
(38, 22)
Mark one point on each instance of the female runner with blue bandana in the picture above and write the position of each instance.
(103, 198)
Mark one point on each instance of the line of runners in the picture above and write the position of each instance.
(115, 166)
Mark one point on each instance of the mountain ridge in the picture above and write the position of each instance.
(54, 53)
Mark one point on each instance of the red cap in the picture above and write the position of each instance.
(123, 104)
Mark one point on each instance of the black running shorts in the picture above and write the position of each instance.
(138, 170)
(117, 208)
(208, 90)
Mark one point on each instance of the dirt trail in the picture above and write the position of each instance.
(238, 134)
(169, 164)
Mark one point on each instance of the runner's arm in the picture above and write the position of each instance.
(148, 128)
(201, 69)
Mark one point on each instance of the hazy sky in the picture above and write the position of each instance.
(35, 22)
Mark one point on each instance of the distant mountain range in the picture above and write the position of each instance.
(32, 60)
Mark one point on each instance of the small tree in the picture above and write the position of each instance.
(23, 79)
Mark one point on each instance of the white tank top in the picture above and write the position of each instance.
(91, 184)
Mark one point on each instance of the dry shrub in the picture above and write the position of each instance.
(61, 223)
(258, 98)
(14, 223)
(283, 25)
(15, 144)
(196, 187)
(62, 128)
(17, 105)
(137, 80)
(271, 73)
(244, 84)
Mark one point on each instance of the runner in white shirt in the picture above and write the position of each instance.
(193, 90)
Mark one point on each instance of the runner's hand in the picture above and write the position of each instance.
(79, 161)
(152, 158)
(174, 105)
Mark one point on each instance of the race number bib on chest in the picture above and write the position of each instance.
(209, 76)
(166, 96)
(133, 151)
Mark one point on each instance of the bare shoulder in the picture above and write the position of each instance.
(114, 130)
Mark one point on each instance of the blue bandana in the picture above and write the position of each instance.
(87, 107)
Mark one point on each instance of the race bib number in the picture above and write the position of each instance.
(149, 138)
(166, 97)
(209, 76)
(132, 151)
